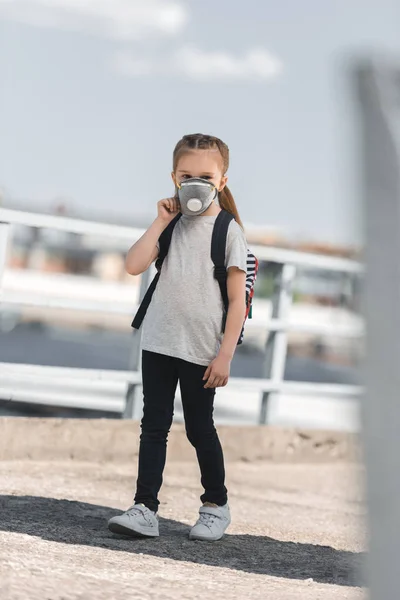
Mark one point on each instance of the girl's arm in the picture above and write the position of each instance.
(217, 373)
(236, 313)
(145, 251)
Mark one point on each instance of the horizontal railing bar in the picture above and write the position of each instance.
(307, 259)
(63, 400)
(28, 370)
(66, 383)
(315, 328)
(300, 388)
(51, 374)
(69, 225)
(76, 304)
(131, 234)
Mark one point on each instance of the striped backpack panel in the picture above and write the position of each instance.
(251, 276)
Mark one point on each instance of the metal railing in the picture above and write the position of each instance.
(284, 262)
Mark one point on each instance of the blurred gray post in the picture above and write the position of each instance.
(276, 346)
(132, 410)
(378, 99)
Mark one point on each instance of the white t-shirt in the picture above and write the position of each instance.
(184, 319)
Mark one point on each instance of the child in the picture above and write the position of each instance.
(182, 334)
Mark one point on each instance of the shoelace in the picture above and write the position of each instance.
(134, 510)
(207, 519)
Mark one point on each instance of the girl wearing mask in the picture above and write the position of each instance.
(183, 341)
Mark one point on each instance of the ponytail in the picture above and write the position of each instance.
(227, 202)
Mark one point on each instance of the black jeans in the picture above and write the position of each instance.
(160, 379)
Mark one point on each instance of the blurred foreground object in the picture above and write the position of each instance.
(377, 86)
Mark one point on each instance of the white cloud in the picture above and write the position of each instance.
(192, 63)
(116, 19)
(125, 20)
(257, 64)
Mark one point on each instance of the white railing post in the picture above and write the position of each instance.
(4, 234)
(276, 347)
(132, 408)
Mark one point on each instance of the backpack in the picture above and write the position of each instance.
(218, 249)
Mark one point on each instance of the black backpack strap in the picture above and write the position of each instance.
(164, 242)
(144, 305)
(218, 256)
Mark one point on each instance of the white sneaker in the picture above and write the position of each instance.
(212, 523)
(137, 521)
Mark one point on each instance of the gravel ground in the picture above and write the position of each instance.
(296, 533)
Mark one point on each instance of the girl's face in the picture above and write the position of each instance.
(206, 164)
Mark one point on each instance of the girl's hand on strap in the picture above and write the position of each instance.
(168, 209)
(217, 373)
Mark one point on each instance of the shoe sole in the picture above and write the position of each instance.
(121, 530)
(204, 539)
(198, 538)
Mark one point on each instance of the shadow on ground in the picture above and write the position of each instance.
(85, 524)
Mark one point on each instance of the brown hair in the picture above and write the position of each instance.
(199, 141)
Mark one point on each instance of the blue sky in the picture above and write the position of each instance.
(95, 94)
